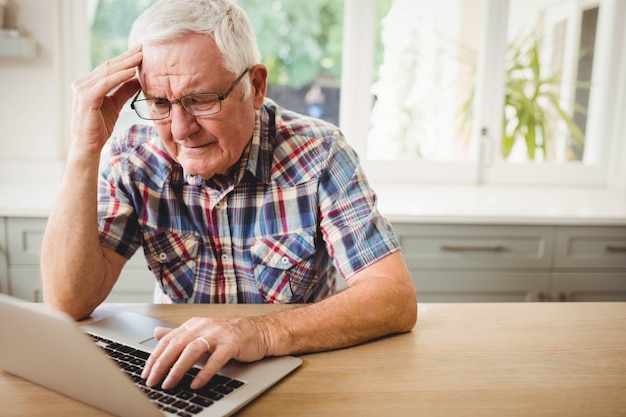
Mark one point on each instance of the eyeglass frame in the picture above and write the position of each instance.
(220, 98)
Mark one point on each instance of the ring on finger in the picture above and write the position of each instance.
(206, 342)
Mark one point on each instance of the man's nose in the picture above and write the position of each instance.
(183, 123)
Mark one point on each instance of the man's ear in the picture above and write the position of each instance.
(258, 82)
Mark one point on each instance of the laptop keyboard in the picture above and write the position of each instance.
(182, 400)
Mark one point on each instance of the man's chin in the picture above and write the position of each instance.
(194, 169)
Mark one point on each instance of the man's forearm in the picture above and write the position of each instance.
(72, 262)
(371, 308)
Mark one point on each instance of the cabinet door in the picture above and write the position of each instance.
(135, 284)
(476, 246)
(478, 263)
(591, 247)
(472, 286)
(24, 236)
(24, 240)
(589, 286)
(25, 283)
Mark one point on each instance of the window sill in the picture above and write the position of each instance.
(448, 204)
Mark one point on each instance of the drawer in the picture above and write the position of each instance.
(24, 242)
(591, 247)
(485, 247)
(591, 287)
(490, 286)
(24, 237)
(135, 285)
(25, 283)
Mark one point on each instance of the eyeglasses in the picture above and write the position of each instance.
(202, 104)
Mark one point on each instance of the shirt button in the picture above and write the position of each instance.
(163, 256)
(225, 258)
(284, 260)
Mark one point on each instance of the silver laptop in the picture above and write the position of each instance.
(49, 349)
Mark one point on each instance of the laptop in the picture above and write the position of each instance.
(85, 363)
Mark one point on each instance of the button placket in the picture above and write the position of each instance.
(220, 211)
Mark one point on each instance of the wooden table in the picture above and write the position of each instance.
(518, 359)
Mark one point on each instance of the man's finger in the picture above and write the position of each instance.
(187, 359)
(214, 363)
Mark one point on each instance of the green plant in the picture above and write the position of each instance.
(532, 108)
(531, 102)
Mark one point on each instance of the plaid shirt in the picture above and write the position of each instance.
(291, 223)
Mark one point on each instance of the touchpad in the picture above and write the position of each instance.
(151, 343)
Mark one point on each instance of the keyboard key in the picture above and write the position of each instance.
(184, 395)
(181, 405)
(181, 400)
(223, 389)
(194, 409)
(202, 401)
(140, 354)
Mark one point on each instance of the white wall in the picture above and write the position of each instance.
(32, 115)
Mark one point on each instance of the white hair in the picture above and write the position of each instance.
(227, 23)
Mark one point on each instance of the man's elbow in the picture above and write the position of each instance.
(408, 311)
(69, 305)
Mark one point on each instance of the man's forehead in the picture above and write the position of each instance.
(193, 64)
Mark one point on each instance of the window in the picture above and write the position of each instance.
(511, 91)
(417, 107)
(300, 42)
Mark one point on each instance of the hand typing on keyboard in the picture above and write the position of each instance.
(181, 400)
(179, 349)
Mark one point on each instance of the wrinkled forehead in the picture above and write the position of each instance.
(189, 64)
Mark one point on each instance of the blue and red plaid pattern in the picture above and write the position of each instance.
(291, 224)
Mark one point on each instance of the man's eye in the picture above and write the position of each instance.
(202, 99)
(161, 103)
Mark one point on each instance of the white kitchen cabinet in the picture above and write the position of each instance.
(135, 284)
(589, 286)
(482, 263)
(450, 286)
(593, 248)
(590, 264)
(464, 263)
(448, 263)
(23, 239)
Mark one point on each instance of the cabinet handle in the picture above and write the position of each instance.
(453, 248)
(615, 248)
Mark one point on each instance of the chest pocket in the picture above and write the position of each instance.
(172, 259)
(284, 267)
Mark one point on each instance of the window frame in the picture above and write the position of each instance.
(356, 104)
(356, 99)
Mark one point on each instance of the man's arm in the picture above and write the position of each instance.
(77, 273)
(380, 300)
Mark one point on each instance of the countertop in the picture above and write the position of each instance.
(32, 194)
(466, 359)
(450, 204)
